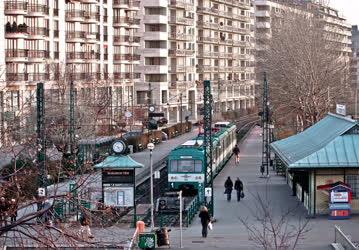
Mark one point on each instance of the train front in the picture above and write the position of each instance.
(186, 169)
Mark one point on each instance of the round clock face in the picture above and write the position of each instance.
(118, 147)
(151, 108)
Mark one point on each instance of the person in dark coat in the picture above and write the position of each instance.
(13, 210)
(205, 219)
(3, 211)
(236, 152)
(228, 185)
(238, 186)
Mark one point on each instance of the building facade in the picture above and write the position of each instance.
(355, 65)
(268, 11)
(188, 41)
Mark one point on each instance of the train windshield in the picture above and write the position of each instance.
(186, 166)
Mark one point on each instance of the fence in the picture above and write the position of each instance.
(340, 238)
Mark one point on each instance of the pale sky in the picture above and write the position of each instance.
(349, 8)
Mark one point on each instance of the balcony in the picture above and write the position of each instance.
(207, 10)
(38, 54)
(92, 37)
(75, 36)
(38, 31)
(126, 4)
(155, 19)
(126, 39)
(154, 69)
(126, 57)
(180, 69)
(15, 8)
(16, 55)
(181, 4)
(125, 21)
(181, 36)
(13, 77)
(205, 39)
(208, 25)
(126, 76)
(37, 10)
(75, 15)
(182, 20)
(91, 17)
(38, 77)
(180, 52)
(82, 56)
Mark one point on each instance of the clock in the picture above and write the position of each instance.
(151, 108)
(118, 147)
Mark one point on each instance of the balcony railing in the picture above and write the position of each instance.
(11, 77)
(83, 55)
(12, 6)
(75, 13)
(92, 16)
(130, 3)
(127, 39)
(44, 9)
(127, 57)
(75, 34)
(38, 53)
(181, 36)
(38, 77)
(126, 76)
(22, 28)
(38, 31)
(126, 20)
(182, 20)
(181, 4)
(16, 53)
(180, 52)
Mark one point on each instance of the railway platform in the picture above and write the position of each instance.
(228, 230)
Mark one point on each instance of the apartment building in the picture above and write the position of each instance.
(355, 57)
(188, 41)
(90, 42)
(267, 11)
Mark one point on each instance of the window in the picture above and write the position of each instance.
(353, 181)
(186, 166)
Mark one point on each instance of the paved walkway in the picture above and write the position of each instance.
(230, 233)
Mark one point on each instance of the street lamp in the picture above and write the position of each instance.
(151, 146)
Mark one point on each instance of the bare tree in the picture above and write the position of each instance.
(306, 67)
(270, 229)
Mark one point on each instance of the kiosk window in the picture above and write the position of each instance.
(353, 181)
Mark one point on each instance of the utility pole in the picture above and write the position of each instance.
(207, 119)
(265, 128)
(41, 142)
(181, 114)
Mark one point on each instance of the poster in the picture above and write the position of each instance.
(118, 196)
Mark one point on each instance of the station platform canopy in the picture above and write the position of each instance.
(333, 142)
(118, 162)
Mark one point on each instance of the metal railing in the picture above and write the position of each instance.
(344, 240)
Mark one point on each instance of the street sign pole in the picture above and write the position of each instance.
(151, 146)
(181, 208)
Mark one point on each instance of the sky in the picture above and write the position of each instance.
(349, 8)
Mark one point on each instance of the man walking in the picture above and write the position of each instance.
(236, 152)
(228, 186)
(238, 186)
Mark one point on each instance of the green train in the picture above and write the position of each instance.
(186, 167)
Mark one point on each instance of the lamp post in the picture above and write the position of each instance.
(151, 146)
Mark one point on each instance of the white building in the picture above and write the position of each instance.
(186, 42)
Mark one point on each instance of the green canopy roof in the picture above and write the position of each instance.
(121, 161)
(315, 146)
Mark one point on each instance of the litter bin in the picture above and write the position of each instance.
(163, 237)
(147, 240)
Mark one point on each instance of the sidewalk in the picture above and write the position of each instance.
(230, 233)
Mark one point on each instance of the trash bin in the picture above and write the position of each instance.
(163, 237)
(147, 240)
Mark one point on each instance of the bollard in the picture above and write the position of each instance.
(140, 225)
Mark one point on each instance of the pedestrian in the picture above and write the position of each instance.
(13, 210)
(236, 152)
(238, 186)
(85, 230)
(205, 220)
(3, 211)
(228, 186)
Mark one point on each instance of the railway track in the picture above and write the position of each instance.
(244, 124)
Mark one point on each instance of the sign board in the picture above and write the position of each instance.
(157, 175)
(118, 176)
(153, 114)
(118, 196)
(208, 192)
(341, 109)
(339, 197)
(41, 192)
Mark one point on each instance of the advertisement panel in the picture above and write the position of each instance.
(339, 197)
(118, 196)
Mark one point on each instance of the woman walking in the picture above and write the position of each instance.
(236, 152)
(205, 219)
